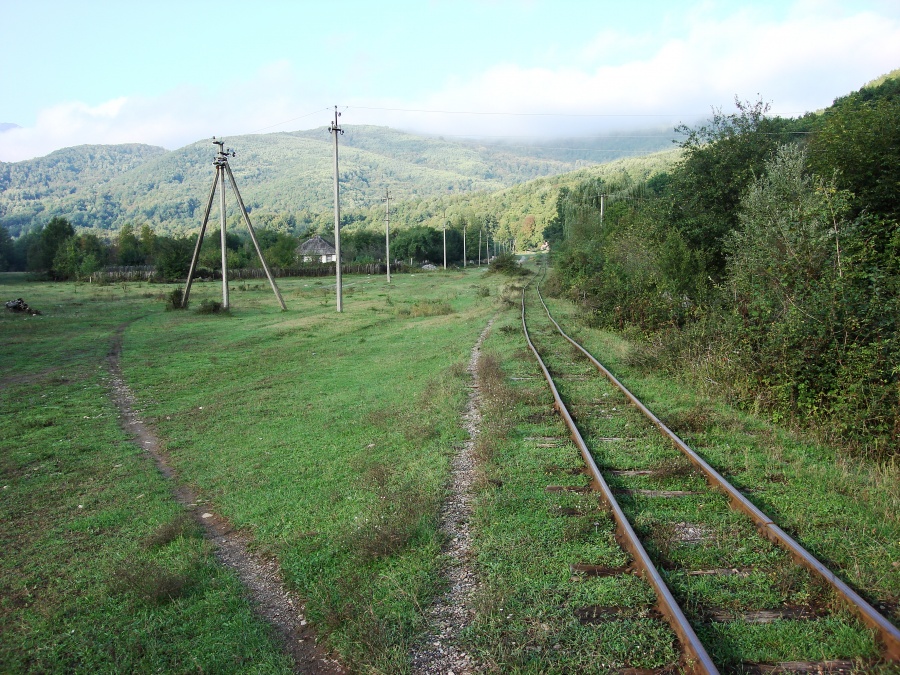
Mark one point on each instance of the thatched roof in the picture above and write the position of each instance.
(316, 246)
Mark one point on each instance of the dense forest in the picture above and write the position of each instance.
(285, 178)
(765, 263)
(514, 216)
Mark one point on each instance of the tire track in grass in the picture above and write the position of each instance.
(439, 653)
(262, 577)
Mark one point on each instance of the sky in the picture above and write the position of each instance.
(170, 73)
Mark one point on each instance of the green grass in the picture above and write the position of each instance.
(326, 438)
(845, 510)
(809, 495)
(98, 574)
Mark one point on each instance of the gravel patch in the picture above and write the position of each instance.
(439, 653)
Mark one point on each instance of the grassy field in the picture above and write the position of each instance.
(326, 438)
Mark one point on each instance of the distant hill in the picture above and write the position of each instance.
(284, 176)
(6, 126)
(33, 191)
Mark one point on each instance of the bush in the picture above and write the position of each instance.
(174, 299)
(211, 307)
(507, 263)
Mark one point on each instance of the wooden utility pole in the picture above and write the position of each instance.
(445, 237)
(465, 253)
(387, 231)
(335, 129)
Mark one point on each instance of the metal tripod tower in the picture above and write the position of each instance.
(222, 168)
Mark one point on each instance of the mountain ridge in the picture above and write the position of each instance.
(100, 188)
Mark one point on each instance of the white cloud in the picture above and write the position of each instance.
(617, 80)
(176, 118)
(798, 65)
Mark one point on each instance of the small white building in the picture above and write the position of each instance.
(316, 250)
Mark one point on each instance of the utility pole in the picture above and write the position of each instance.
(223, 170)
(387, 231)
(335, 129)
(219, 162)
(479, 246)
(465, 253)
(445, 238)
(602, 207)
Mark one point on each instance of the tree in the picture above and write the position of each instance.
(6, 250)
(720, 161)
(42, 252)
(859, 144)
(79, 257)
(147, 238)
(785, 241)
(418, 243)
(129, 247)
(173, 257)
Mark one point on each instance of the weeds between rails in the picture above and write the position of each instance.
(742, 594)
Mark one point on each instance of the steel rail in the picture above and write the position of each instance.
(887, 632)
(696, 660)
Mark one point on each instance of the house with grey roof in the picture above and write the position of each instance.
(316, 250)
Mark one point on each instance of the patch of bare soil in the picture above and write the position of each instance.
(439, 653)
(262, 577)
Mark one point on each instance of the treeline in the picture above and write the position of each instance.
(765, 264)
(58, 252)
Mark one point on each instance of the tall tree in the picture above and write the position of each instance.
(43, 251)
(6, 250)
(129, 247)
(721, 159)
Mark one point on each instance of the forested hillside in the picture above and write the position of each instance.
(32, 192)
(285, 178)
(765, 263)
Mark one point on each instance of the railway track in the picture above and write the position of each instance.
(717, 564)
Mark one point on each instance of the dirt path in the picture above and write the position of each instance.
(439, 653)
(261, 577)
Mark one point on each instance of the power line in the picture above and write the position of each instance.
(293, 119)
(523, 114)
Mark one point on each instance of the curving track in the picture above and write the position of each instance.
(695, 657)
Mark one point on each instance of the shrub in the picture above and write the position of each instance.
(508, 264)
(210, 307)
(174, 299)
(422, 308)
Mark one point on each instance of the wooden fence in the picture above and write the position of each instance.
(148, 272)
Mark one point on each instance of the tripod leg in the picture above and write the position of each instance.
(190, 278)
(240, 202)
